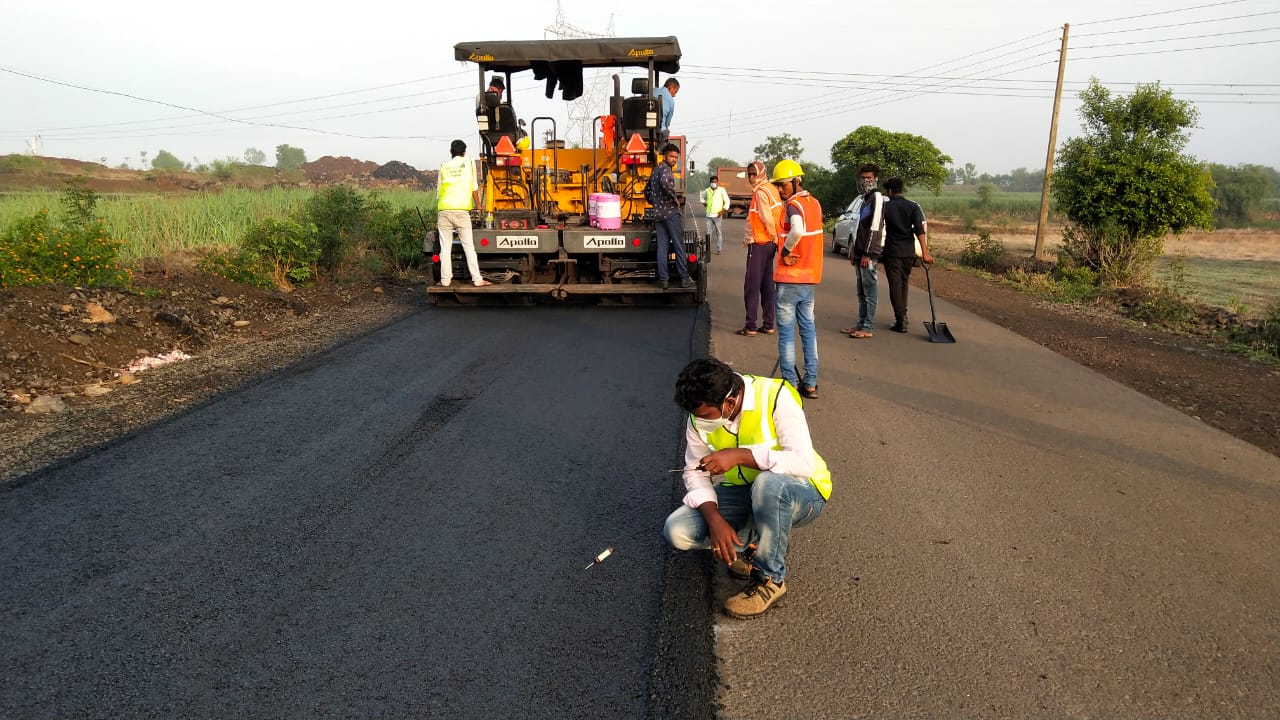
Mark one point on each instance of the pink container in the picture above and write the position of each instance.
(604, 211)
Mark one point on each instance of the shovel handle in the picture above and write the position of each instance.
(933, 316)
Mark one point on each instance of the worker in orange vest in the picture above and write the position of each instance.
(797, 274)
(761, 241)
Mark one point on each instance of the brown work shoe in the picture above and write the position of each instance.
(759, 595)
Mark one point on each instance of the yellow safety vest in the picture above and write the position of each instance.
(456, 185)
(756, 430)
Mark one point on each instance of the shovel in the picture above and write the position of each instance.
(938, 332)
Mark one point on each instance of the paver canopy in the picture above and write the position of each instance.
(517, 55)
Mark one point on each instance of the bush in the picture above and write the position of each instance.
(396, 236)
(340, 214)
(984, 253)
(1261, 335)
(78, 251)
(1117, 259)
(287, 247)
(239, 266)
(1077, 284)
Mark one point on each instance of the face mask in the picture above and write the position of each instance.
(710, 426)
(867, 185)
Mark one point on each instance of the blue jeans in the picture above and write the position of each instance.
(868, 290)
(670, 233)
(795, 309)
(767, 508)
(713, 229)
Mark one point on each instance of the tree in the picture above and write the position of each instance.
(254, 156)
(289, 158)
(778, 147)
(1126, 183)
(165, 160)
(717, 162)
(910, 157)
(1238, 192)
(970, 173)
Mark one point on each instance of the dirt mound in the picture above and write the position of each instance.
(330, 169)
(403, 172)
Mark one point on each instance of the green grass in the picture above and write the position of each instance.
(1248, 285)
(956, 202)
(155, 225)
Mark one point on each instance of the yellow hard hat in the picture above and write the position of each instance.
(786, 170)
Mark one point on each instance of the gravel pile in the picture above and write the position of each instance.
(396, 170)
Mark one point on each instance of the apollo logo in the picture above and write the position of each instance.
(605, 242)
(477, 57)
(640, 52)
(517, 241)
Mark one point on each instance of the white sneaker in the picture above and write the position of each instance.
(446, 283)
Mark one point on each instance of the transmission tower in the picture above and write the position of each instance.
(595, 84)
(35, 145)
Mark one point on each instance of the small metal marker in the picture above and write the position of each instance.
(600, 558)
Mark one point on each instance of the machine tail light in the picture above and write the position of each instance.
(484, 242)
(693, 258)
(635, 242)
(435, 258)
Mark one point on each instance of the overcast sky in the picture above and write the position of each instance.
(379, 78)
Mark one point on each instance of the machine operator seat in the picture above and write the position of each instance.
(500, 116)
(636, 108)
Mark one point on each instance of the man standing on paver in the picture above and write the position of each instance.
(797, 274)
(751, 432)
(761, 241)
(904, 226)
(666, 107)
(660, 191)
(458, 191)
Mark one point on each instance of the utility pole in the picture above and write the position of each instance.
(1042, 224)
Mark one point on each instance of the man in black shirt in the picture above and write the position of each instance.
(904, 225)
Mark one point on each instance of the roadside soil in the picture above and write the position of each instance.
(81, 367)
(1196, 374)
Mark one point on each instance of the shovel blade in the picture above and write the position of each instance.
(938, 332)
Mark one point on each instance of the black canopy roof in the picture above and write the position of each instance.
(517, 55)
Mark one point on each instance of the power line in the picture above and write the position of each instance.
(1184, 37)
(210, 114)
(1173, 25)
(1174, 50)
(1162, 12)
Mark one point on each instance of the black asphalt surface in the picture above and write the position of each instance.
(397, 528)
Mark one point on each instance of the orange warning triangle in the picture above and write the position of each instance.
(635, 145)
(505, 147)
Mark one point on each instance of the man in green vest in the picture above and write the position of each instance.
(750, 469)
(457, 191)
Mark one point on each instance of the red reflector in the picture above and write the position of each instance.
(515, 161)
(484, 242)
(435, 258)
(636, 242)
(505, 146)
(693, 258)
(635, 144)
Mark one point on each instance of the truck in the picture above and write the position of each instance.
(535, 235)
(735, 183)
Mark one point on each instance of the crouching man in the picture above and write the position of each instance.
(750, 469)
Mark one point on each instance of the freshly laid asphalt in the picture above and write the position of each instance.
(399, 528)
